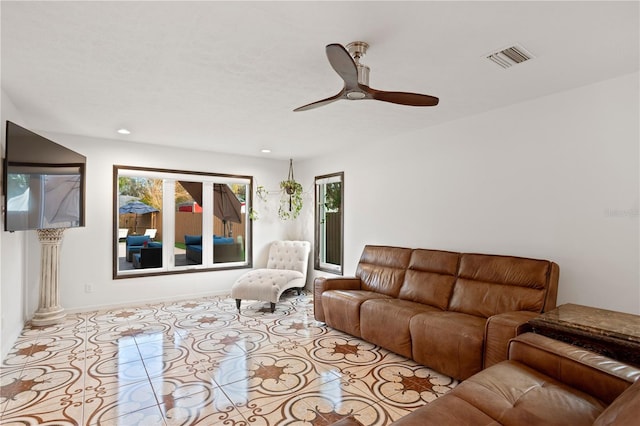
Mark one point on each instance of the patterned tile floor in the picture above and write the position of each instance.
(199, 362)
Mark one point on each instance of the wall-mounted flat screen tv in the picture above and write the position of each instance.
(43, 182)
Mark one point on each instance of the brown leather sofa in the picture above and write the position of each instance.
(453, 312)
(544, 382)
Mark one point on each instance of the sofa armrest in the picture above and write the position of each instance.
(322, 284)
(595, 374)
(501, 328)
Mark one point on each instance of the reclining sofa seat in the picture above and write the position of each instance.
(544, 382)
(454, 312)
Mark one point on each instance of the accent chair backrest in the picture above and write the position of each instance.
(289, 255)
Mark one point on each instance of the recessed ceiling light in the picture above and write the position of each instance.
(124, 131)
(265, 151)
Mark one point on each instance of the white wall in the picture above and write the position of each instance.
(554, 178)
(12, 265)
(86, 253)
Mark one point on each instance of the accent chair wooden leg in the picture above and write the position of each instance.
(238, 304)
(273, 307)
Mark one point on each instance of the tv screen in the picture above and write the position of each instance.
(43, 183)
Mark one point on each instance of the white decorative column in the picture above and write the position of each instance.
(49, 309)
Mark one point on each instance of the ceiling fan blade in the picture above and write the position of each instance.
(403, 98)
(317, 104)
(343, 64)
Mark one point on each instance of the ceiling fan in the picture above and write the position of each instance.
(346, 62)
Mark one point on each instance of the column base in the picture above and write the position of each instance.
(48, 316)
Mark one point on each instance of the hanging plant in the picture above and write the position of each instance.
(291, 199)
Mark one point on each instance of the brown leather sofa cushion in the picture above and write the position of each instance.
(514, 394)
(449, 411)
(381, 269)
(509, 394)
(587, 371)
(322, 284)
(342, 308)
(624, 411)
(544, 382)
(449, 342)
(430, 277)
(489, 285)
(499, 330)
(385, 322)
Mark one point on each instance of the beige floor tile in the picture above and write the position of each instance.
(149, 416)
(402, 383)
(116, 400)
(211, 404)
(200, 362)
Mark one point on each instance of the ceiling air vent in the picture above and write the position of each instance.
(510, 56)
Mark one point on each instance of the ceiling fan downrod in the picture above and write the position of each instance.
(357, 50)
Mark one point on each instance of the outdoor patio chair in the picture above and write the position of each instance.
(286, 268)
(122, 233)
(151, 233)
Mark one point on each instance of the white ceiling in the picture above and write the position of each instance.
(225, 76)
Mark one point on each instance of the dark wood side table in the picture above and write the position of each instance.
(610, 333)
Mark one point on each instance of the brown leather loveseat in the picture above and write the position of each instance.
(544, 382)
(453, 312)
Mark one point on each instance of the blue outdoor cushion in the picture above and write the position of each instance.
(192, 240)
(154, 244)
(137, 240)
(222, 240)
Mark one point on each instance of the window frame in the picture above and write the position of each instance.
(319, 264)
(173, 175)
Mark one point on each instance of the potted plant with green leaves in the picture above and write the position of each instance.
(291, 199)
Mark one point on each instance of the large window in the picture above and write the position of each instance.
(171, 221)
(329, 222)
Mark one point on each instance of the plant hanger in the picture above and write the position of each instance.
(293, 191)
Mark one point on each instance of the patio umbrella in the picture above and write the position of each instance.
(137, 207)
(124, 199)
(226, 205)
